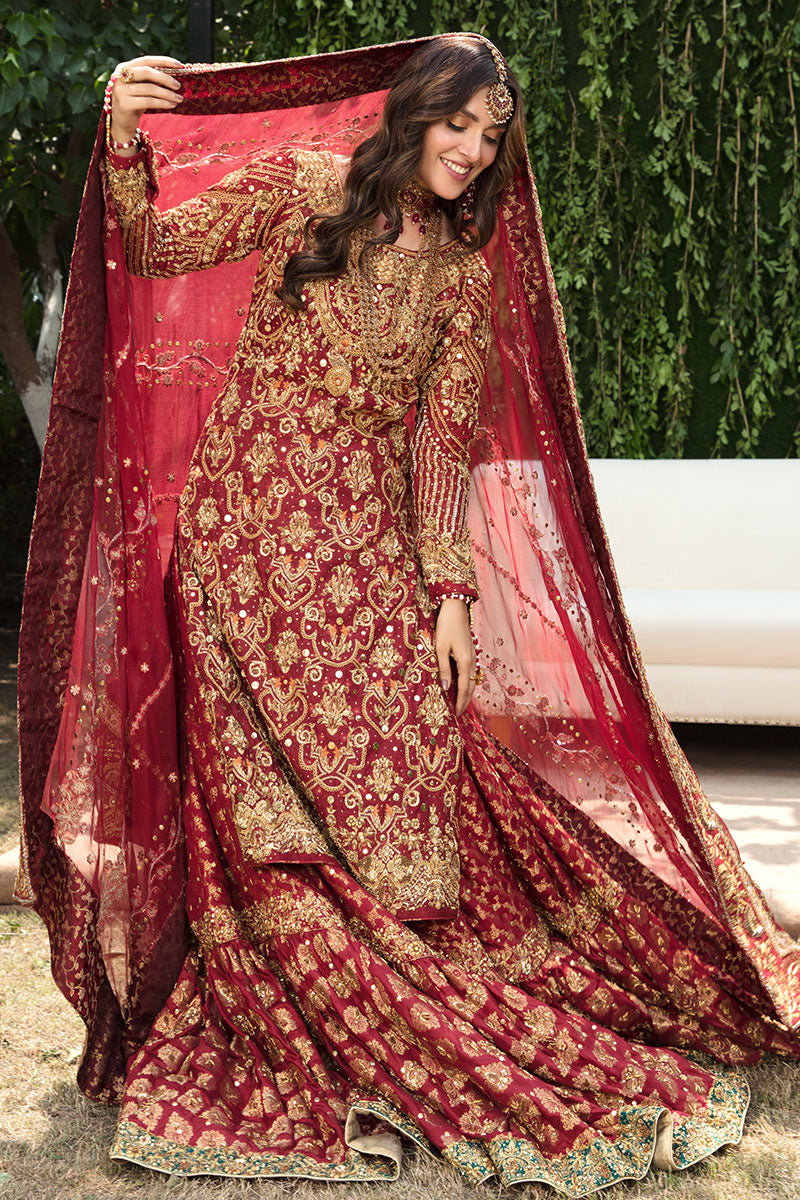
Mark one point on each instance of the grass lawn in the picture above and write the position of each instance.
(54, 1142)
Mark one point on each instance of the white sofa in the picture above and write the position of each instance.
(708, 556)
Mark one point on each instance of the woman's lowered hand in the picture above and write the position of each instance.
(454, 641)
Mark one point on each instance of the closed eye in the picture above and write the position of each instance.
(461, 128)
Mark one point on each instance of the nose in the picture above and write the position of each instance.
(470, 145)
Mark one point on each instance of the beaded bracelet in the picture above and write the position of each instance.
(137, 140)
(107, 94)
(112, 143)
(468, 600)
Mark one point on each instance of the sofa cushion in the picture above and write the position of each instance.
(716, 626)
(734, 695)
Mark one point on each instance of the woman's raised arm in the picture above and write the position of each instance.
(223, 224)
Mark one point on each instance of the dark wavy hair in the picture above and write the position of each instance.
(435, 82)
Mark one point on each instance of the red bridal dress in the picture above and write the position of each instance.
(305, 911)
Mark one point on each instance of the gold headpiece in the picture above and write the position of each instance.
(499, 101)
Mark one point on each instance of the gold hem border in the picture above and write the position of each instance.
(576, 1173)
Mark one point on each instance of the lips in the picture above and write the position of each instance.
(455, 169)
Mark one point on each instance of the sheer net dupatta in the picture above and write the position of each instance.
(103, 859)
(565, 689)
(140, 364)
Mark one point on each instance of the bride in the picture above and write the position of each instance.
(320, 877)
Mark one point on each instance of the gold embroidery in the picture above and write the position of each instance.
(304, 533)
(224, 224)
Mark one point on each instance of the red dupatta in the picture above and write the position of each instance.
(139, 366)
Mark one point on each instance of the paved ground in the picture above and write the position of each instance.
(751, 775)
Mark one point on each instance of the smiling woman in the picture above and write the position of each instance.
(359, 893)
(424, 118)
(464, 145)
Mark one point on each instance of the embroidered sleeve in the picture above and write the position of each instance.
(222, 224)
(445, 426)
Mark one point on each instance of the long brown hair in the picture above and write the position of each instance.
(435, 82)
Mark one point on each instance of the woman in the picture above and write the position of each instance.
(493, 929)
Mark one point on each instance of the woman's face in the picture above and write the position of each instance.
(457, 148)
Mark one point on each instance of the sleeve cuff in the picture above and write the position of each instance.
(144, 158)
(126, 162)
(444, 591)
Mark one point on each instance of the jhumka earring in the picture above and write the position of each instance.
(468, 204)
(499, 101)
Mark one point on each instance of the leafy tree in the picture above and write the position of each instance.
(54, 64)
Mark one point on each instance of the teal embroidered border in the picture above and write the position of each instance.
(603, 1163)
(577, 1173)
(134, 1145)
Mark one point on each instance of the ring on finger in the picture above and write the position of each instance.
(126, 74)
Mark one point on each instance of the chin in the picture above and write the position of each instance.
(447, 188)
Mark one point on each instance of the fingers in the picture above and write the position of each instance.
(158, 60)
(453, 640)
(466, 684)
(151, 92)
(465, 662)
(146, 74)
(149, 60)
(153, 103)
(443, 658)
(140, 87)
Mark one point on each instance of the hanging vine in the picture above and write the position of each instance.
(664, 138)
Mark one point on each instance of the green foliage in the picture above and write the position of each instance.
(54, 64)
(665, 141)
(664, 137)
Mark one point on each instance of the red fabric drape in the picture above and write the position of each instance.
(139, 365)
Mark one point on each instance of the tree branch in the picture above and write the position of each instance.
(26, 375)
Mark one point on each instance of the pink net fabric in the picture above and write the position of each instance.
(564, 690)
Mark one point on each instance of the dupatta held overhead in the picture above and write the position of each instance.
(563, 742)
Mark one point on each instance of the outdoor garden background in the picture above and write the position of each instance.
(664, 139)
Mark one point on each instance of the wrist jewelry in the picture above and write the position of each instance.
(126, 75)
(107, 94)
(137, 140)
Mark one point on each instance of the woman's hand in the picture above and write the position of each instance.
(454, 640)
(140, 85)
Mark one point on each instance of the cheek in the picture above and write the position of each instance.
(438, 140)
(489, 154)
(432, 150)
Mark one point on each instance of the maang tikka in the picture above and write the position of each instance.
(499, 101)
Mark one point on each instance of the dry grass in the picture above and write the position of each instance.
(54, 1142)
(9, 766)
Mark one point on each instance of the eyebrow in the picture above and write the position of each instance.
(465, 112)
